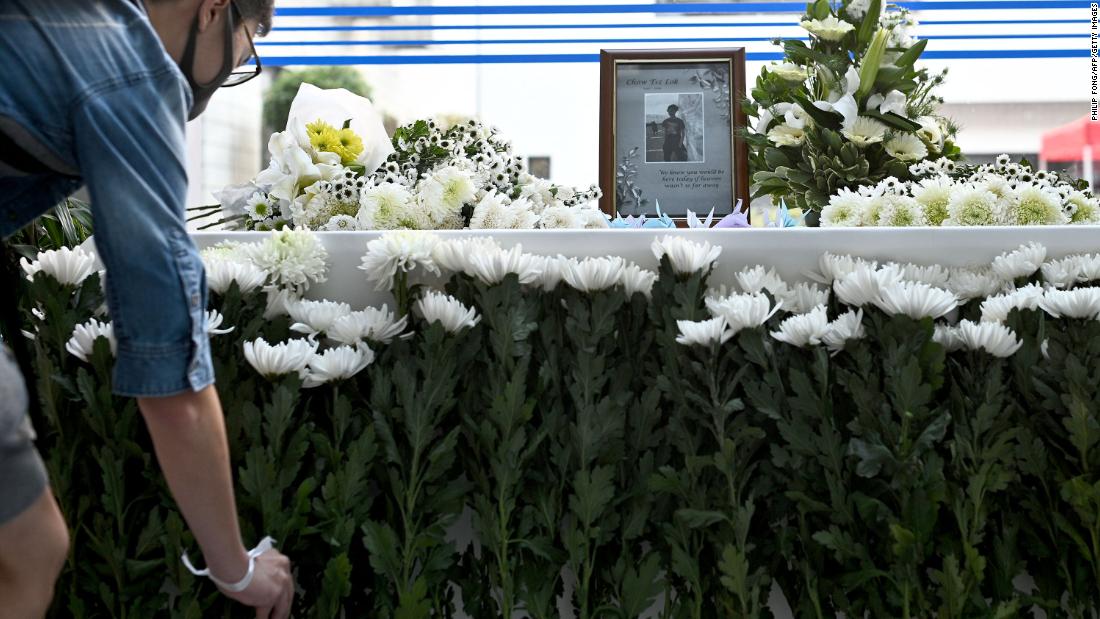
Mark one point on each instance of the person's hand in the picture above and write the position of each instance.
(272, 588)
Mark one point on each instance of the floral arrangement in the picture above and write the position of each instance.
(948, 193)
(892, 440)
(435, 176)
(847, 110)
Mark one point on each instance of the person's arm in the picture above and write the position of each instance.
(130, 142)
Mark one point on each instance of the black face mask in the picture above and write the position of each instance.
(201, 93)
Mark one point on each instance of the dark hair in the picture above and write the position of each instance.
(673, 108)
(259, 10)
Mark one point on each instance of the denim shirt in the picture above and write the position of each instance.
(87, 87)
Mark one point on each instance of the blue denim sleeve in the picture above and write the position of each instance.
(130, 145)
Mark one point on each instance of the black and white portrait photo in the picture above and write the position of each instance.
(674, 128)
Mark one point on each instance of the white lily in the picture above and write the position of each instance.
(894, 101)
(843, 102)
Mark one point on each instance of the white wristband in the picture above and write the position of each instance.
(242, 584)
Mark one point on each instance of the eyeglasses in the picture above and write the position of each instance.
(241, 75)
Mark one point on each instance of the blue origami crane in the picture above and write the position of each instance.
(783, 218)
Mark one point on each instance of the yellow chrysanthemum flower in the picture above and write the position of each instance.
(318, 128)
(351, 146)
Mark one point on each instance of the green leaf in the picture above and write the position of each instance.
(910, 56)
(894, 121)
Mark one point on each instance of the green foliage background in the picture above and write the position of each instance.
(571, 431)
(281, 94)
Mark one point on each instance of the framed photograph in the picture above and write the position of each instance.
(669, 122)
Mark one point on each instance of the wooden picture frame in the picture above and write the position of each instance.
(689, 78)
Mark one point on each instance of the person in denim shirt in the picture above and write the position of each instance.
(97, 92)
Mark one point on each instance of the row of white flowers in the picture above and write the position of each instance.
(338, 340)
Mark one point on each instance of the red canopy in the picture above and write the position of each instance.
(1068, 142)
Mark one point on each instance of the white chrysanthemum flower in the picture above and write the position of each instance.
(916, 300)
(341, 223)
(386, 206)
(1023, 262)
(553, 272)
(864, 284)
(453, 254)
(836, 266)
(404, 250)
(447, 311)
(995, 339)
(899, 211)
(1081, 303)
(857, 8)
(315, 317)
(1033, 205)
(1088, 268)
(593, 274)
(82, 343)
(970, 284)
(933, 275)
(592, 218)
(1082, 209)
(292, 258)
(847, 327)
(1063, 273)
(743, 311)
(561, 217)
(490, 213)
(445, 191)
(948, 337)
(229, 250)
(686, 257)
(289, 357)
(636, 280)
(996, 185)
(277, 300)
(260, 206)
(934, 194)
(803, 297)
(220, 275)
(703, 332)
(786, 135)
(753, 280)
(803, 330)
(864, 131)
(828, 29)
(930, 131)
(521, 215)
(337, 364)
(845, 209)
(789, 72)
(973, 206)
(378, 325)
(997, 308)
(491, 266)
(214, 320)
(69, 266)
(906, 147)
